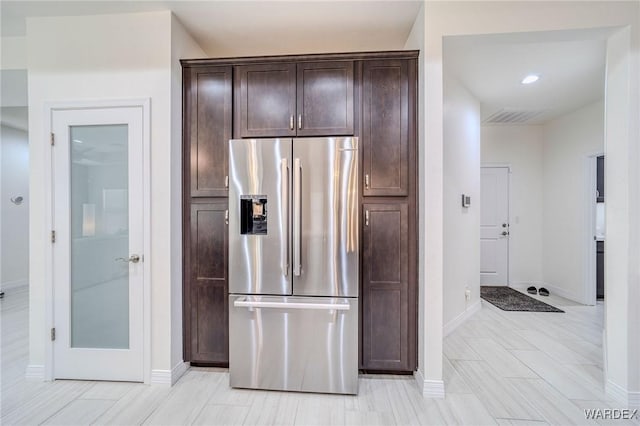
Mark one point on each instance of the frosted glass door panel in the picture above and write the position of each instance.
(99, 237)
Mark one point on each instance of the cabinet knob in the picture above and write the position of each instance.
(299, 121)
(366, 218)
(366, 181)
(291, 122)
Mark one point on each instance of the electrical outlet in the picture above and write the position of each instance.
(467, 294)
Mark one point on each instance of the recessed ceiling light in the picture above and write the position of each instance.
(531, 78)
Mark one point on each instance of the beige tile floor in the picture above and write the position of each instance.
(506, 368)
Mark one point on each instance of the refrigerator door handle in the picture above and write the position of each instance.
(297, 217)
(284, 179)
(243, 303)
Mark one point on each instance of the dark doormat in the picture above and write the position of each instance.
(509, 299)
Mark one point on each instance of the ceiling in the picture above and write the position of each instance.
(571, 66)
(239, 28)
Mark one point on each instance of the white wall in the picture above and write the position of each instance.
(520, 147)
(14, 53)
(430, 306)
(467, 18)
(568, 141)
(461, 176)
(14, 228)
(182, 47)
(622, 210)
(107, 57)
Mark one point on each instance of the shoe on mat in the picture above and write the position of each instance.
(532, 290)
(543, 291)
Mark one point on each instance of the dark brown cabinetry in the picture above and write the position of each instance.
(369, 95)
(389, 276)
(600, 269)
(207, 128)
(306, 99)
(207, 298)
(265, 100)
(208, 92)
(385, 127)
(600, 179)
(387, 314)
(325, 99)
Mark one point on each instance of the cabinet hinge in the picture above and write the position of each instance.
(53, 236)
(53, 334)
(53, 139)
(226, 217)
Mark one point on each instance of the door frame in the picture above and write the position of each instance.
(508, 167)
(590, 245)
(48, 182)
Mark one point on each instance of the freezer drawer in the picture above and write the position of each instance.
(307, 344)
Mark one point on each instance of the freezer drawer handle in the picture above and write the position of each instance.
(242, 303)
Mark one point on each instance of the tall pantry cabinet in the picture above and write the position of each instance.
(369, 95)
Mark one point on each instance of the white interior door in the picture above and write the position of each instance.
(494, 226)
(97, 254)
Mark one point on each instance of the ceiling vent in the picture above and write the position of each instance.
(511, 116)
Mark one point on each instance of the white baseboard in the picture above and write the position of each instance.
(8, 285)
(634, 400)
(616, 392)
(429, 388)
(168, 377)
(160, 377)
(558, 291)
(178, 371)
(460, 319)
(34, 372)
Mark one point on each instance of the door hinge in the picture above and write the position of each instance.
(53, 236)
(53, 139)
(53, 334)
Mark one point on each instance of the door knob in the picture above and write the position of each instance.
(134, 258)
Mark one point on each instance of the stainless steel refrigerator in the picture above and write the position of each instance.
(293, 264)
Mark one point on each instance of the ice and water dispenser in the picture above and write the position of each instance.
(253, 214)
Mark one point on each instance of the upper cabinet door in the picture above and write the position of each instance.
(265, 100)
(325, 99)
(208, 122)
(385, 127)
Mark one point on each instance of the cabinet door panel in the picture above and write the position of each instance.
(385, 288)
(209, 96)
(266, 100)
(385, 127)
(325, 98)
(208, 284)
